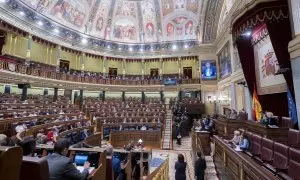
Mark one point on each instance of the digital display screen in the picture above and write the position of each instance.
(170, 82)
(80, 159)
(208, 70)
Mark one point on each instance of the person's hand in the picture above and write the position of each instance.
(86, 165)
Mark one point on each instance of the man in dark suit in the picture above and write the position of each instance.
(61, 167)
(200, 166)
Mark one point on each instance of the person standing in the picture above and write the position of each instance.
(200, 166)
(180, 167)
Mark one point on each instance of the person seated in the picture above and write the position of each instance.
(233, 114)
(32, 114)
(3, 140)
(236, 138)
(61, 167)
(129, 146)
(28, 146)
(41, 138)
(143, 128)
(20, 128)
(244, 143)
(88, 123)
(61, 112)
(67, 118)
(267, 118)
(206, 123)
(264, 118)
(242, 115)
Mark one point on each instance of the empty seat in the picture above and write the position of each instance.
(34, 168)
(294, 163)
(286, 122)
(267, 149)
(281, 156)
(256, 145)
(294, 138)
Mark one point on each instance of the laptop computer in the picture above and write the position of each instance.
(79, 161)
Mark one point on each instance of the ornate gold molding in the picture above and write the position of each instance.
(294, 47)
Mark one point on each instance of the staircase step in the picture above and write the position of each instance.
(208, 159)
(210, 171)
(210, 164)
(211, 177)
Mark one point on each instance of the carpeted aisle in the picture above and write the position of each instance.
(186, 150)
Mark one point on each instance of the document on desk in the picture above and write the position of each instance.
(272, 126)
(238, 149)
(81, 168)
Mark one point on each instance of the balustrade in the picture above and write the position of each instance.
(9, 65)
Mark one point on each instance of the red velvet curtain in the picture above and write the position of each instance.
(246, 55)
(280, 35)
(276, 103)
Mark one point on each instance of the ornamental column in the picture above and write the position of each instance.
(58, 57)
(143, 68)
(55, 94)
(81, 98)
(233, 96)
(294, 6)
(179, 66)
(124, 67)
(104, 65)
(160, 68)
(82, 61)
(28, 53)
(198, 70)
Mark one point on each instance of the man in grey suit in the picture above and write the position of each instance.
(61, 167)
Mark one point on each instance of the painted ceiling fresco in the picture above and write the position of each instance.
(142, 21)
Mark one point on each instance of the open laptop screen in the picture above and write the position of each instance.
(80, 159)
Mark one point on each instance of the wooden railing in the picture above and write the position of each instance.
(160, 173)
(6, 124)
(62, 134)
(94, 140)
(5, 64)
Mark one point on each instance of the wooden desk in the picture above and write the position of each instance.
(151, 138)
(5, 124)
(226, 127)
(237, 165)
(201, 142)
(276, 134)
(94, 140)
(64, 133)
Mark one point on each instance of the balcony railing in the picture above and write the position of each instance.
(6, 64)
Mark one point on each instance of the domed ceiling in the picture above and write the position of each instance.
(130, 21)
(131, 28)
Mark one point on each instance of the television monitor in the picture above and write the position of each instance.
(170, 82)
(209, 70)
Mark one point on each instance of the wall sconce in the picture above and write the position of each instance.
(211, 99)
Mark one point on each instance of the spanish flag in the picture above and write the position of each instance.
(256, 107)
